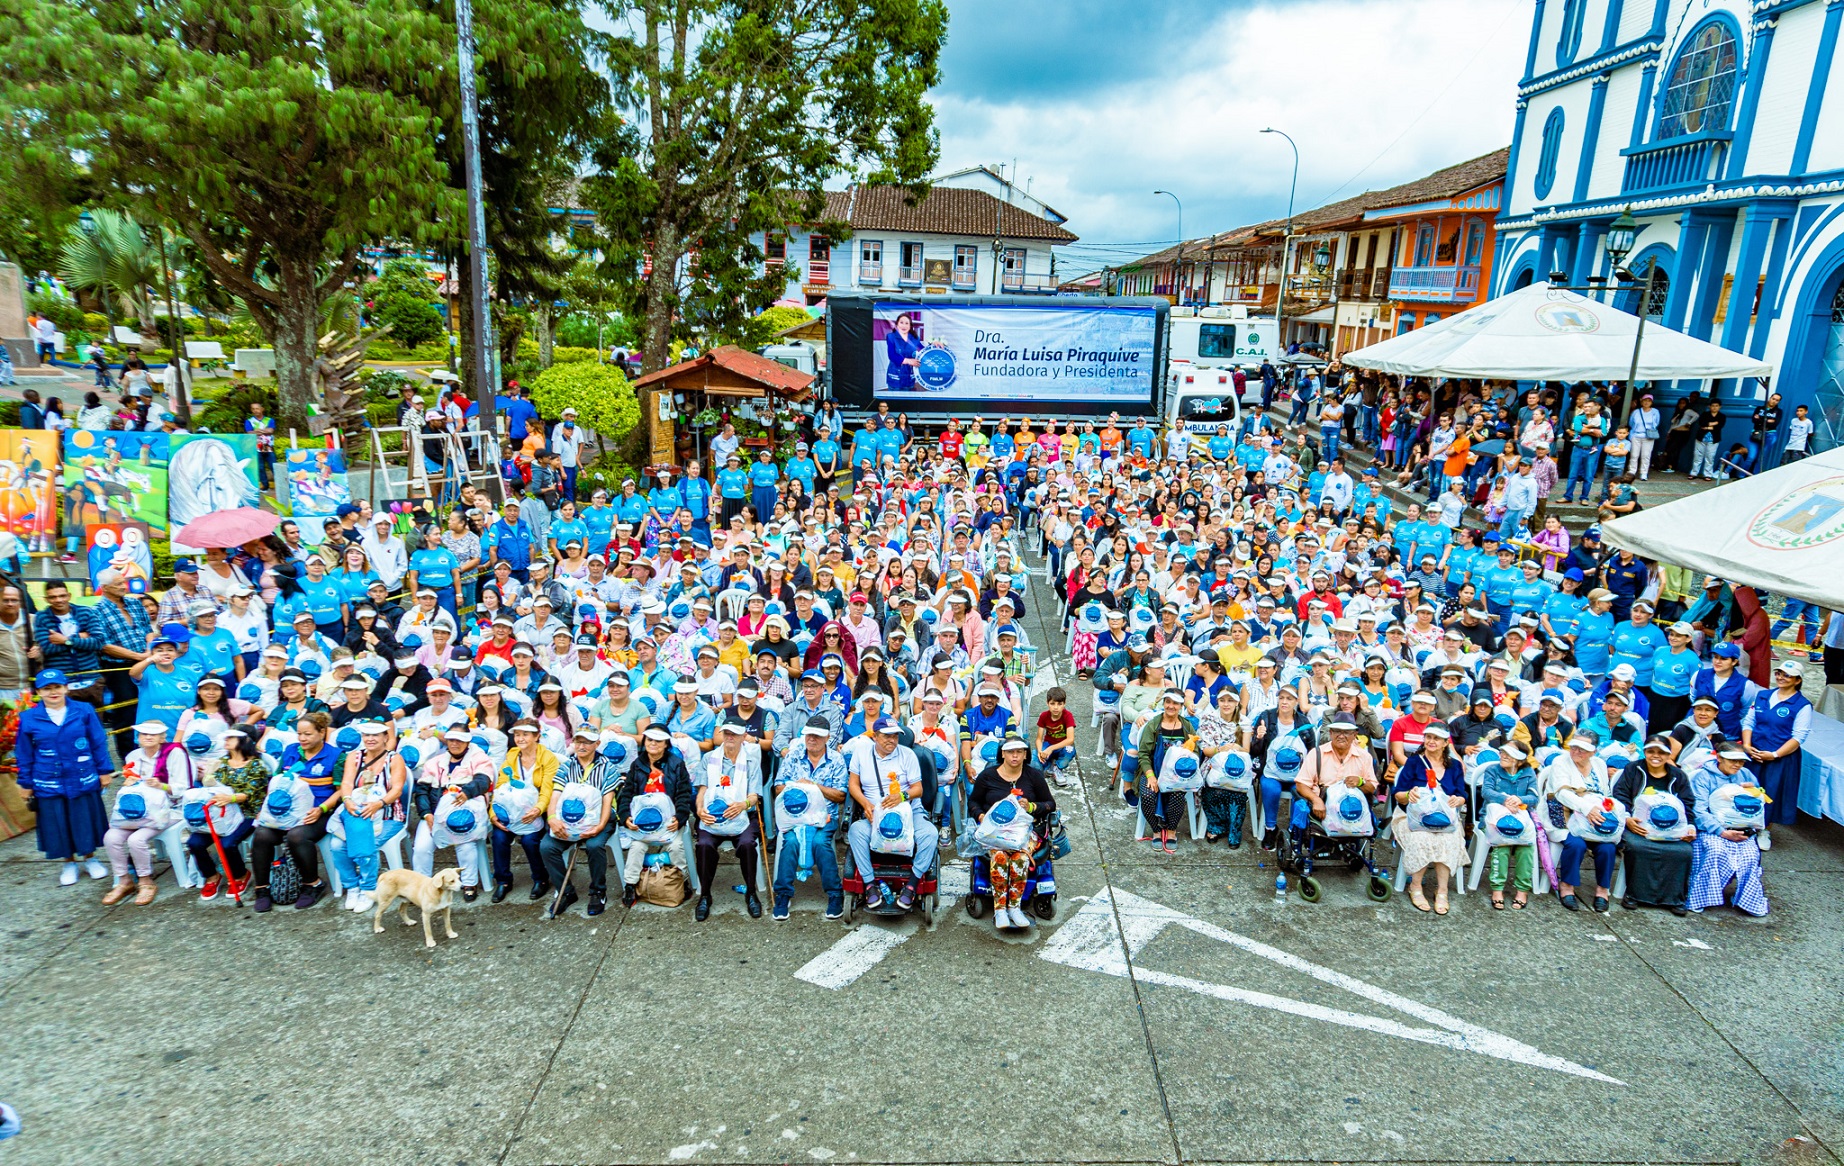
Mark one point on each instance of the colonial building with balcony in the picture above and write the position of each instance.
(954, 240)
(1720, 124)
(1435, 237)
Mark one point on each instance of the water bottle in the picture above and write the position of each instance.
(1280, 890)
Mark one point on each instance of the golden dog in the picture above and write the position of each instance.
(404, 887)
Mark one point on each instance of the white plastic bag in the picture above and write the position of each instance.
(1613, 822)
(195, 804)
(652, 815)
(1429, 811)
(800, 803)
(1347, 812)
(893, 830)
(1663, 816)
(579, 807)
(1181, 772)
(1507, 827)
(1007, 826)
(1231, 770)
(459, 819)
(1740, 807)
(139, 806)
(1286, 757)
(286, 804)
(513, 801)
(725, 791)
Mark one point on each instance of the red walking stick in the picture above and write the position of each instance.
(235, 885)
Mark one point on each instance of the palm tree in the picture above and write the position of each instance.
(112, 259)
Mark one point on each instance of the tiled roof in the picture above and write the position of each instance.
(944, 210)
(1444, 183)
(760, 369)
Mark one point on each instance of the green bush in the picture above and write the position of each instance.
(96, 322)
(404, 298)
(562, 355)
(9, 413)
(226, 413)
(601, 396)
(386, 384)
(65, 314)
(608, 471)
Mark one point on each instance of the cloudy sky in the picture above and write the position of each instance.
(1099, 102)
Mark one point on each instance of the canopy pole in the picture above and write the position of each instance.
(1639, 335)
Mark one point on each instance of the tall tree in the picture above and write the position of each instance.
(279, 138)
(744, 110)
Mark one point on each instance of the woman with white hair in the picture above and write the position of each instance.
(1578, 782)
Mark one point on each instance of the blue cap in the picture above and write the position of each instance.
(884, 725)
(50, 676)
(813, 674)
(184, 565)
(1554, 694)
(1370, 471)
(1574, 573)
(1490, 536)
(1592, 532)
(345, 509)
(1725, 649)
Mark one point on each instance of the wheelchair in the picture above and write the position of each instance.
(896, 868)
(1304, 844)
(1039, 886)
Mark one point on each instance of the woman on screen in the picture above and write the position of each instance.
(904, 352)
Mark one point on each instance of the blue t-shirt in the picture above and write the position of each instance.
(1672, 672)
(1563, 611)
(825, 452)
(1594, 642)
(323, 599)
(1529, 596)
(1003, 446)
(352, 584)
(631, 509)
(211, 655)
(697, 495)
(733, 484)
(1221, 446)
(520, 414)
(1637, 645)
(1140, 439)
(599, 521)
(763, 474)
(803, 470)
(165, 695)
(564, 531)
(1498, 584)
(665, 499)
(865, 449)
(434, 568)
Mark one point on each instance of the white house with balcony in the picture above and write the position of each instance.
(954, 240)
(1720, 124)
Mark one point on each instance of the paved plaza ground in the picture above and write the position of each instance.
(1174, 1011)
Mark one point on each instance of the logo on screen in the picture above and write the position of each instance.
(935, 368)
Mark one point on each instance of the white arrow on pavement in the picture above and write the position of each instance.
(1092, 940)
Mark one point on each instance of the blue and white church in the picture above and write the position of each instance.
(1720, 124)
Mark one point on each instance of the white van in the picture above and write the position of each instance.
(1222, 336)
(796, 354)
(1201, 398)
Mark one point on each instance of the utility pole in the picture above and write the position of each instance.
(486, 384)
(1280, 296)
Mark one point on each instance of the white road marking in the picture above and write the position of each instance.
(1605, 938)
(1092, 940)
(854, 955)
(1698, 944)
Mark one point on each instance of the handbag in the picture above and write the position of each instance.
(663, 885)
(284, 877)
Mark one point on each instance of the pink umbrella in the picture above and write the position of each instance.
(227, 528)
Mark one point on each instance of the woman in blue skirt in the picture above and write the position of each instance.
(63, 756)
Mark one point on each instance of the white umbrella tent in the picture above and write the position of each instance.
(1540, 333)
(1781, 531)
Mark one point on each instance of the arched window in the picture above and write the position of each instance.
(1552, 148)
(1475, 244)
(1574, 15)
(1702, 85)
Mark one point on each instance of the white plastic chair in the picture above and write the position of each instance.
(1482, 852)
(1194, 817)
(1456, 885)
(732, 603)
(173, 841)
(391, 851)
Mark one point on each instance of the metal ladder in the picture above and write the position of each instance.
(403, 475)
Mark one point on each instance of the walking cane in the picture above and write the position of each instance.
(235, 885)
(568, 870)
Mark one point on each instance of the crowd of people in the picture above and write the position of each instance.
(651, 669)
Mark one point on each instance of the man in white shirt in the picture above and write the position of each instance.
(1339, 487)
(45, 334)
(567, 444)
(882, 775)
(386, 552)
(1798, 436)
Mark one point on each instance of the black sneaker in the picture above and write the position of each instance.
(539, 890)
(311, 894)
(1268, 842)
(262, 903)
(1629, 904)
(500, 891)
(630, 894)
(564, 901)
(1680, 910)
(598, 903)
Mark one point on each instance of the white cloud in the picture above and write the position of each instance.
(1343, 77)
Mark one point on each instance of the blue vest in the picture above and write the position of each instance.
(1728, 699)
(1773, 726)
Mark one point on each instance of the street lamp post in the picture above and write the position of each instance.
(486, 385)
(1622, 234)
(1280, 295)
(1177, 263)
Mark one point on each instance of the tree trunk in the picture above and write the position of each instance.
(662, 288)
(296, 341)
(464, 319)
(541, 316)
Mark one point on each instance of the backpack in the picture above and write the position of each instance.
(459, 820)
(512, 801)
(1286, 757)
(799, 803)
(286, 804)
(651, 813)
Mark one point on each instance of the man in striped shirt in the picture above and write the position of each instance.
(591, 768)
